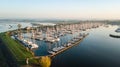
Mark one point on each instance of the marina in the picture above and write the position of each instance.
(56, 38)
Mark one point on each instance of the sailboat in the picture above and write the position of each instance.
(33, 44)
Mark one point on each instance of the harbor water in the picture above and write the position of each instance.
(98, 49)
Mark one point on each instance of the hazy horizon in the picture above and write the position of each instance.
(61, 9)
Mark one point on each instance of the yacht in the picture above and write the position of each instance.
(34, 45)
(51, 52)
(69, 44)
(115, 36)
(55, 49)
(57, 39)
(118, 30)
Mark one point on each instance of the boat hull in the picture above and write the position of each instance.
(115, 36)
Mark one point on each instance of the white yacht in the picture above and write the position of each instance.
(118, 30)
(55, 49)
(34, 45)
(57, 39)
(51, 52)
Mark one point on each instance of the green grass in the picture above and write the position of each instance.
(17, 49)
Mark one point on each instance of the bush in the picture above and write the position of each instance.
(45, 61)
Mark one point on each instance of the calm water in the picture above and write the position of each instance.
(5, 26)
(96, 50)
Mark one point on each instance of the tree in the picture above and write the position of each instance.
(19, 26)
(45, 61)
(19, 30)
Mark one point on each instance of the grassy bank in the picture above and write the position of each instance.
(17, 49)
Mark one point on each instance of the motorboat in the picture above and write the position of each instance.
(69, 44)
(57, 39)
(117, 30)
(115, 36)
(55, 49)
(51, 52)
(35, 45)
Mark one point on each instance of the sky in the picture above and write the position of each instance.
(60, 9)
